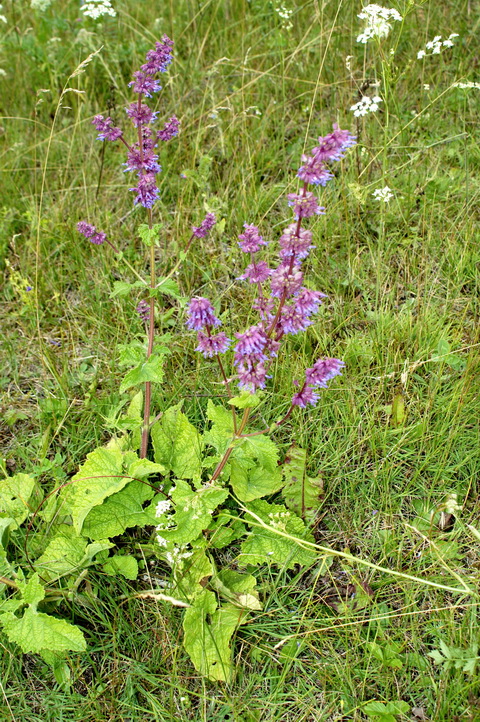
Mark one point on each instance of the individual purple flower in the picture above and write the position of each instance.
(256, 272)
(205, 226)
(252, 341)
(264, 306)
(159, 58)
(86, 229)
(304, 204)
(295, 245)
(333, 145)
(212, 345)
(144, 84)
(313, 171)
(170, 129)
(285, 282)
(252, 376)
(250, 241)
(146, 190)
(143, 310)
(201, 314)
(307, 395)
(141, 114)
(308, 301)
(106, 129)
(293, 320)
(145, 161)
(323, 371)
(90, 232)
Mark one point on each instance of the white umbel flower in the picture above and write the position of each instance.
(366, 105)
(40, 5)
(437, 45)
(97, 8)
(383, 194)
(377, 23)
(467, 84)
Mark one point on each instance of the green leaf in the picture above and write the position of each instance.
(208, 645)
(125, 565)
(193, 572)
(301, 493)
(15, 493)
(193, 510)
(239, 589)
(63, 554)
(250, 481)
(119, 512)
(140, 468)
(264, 546)
(99, 477)
(148, 235)
(36, 631)
(264, 450)
(166, 287)
(120, 288)
(177, 444)
(5, 523)
(32, 591)
(246, 400)
(131, 354)
(220, 433)
(149, 370)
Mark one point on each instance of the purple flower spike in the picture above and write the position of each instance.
(286, 282)
(145, 162)
(308, 301)
(304, 204)
(252, 377)
(144, 84)
(252, 341)
(201, 314)
(256, 272)
(306, 396)
(250, 241)
(333, 145)
(146, 190)
(90, 232)
(293, 245)
(141, 115)
(323, 371)
(86, 229)
(106, 129)
(160, 58)
(143, 310)
(170, 129)
(205, 226)
(313, 171)
(212, 345)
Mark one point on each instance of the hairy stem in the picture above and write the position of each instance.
(151, 334)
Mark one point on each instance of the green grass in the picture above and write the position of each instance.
(401, 281)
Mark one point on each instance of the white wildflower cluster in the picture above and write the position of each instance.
(285, 14)
(377, 23)
(366, 105)
(437, 45)
(40, 5)
(97, 8)
(3, 19)
(162, 507)
(383, 194)
(177, 555)
(467, 84)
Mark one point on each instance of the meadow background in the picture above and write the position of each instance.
(254, 83)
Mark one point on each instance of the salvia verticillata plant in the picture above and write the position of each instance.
(202, 495)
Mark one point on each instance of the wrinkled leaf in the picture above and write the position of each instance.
(301, 493)
(177, 444)
(36, 631)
